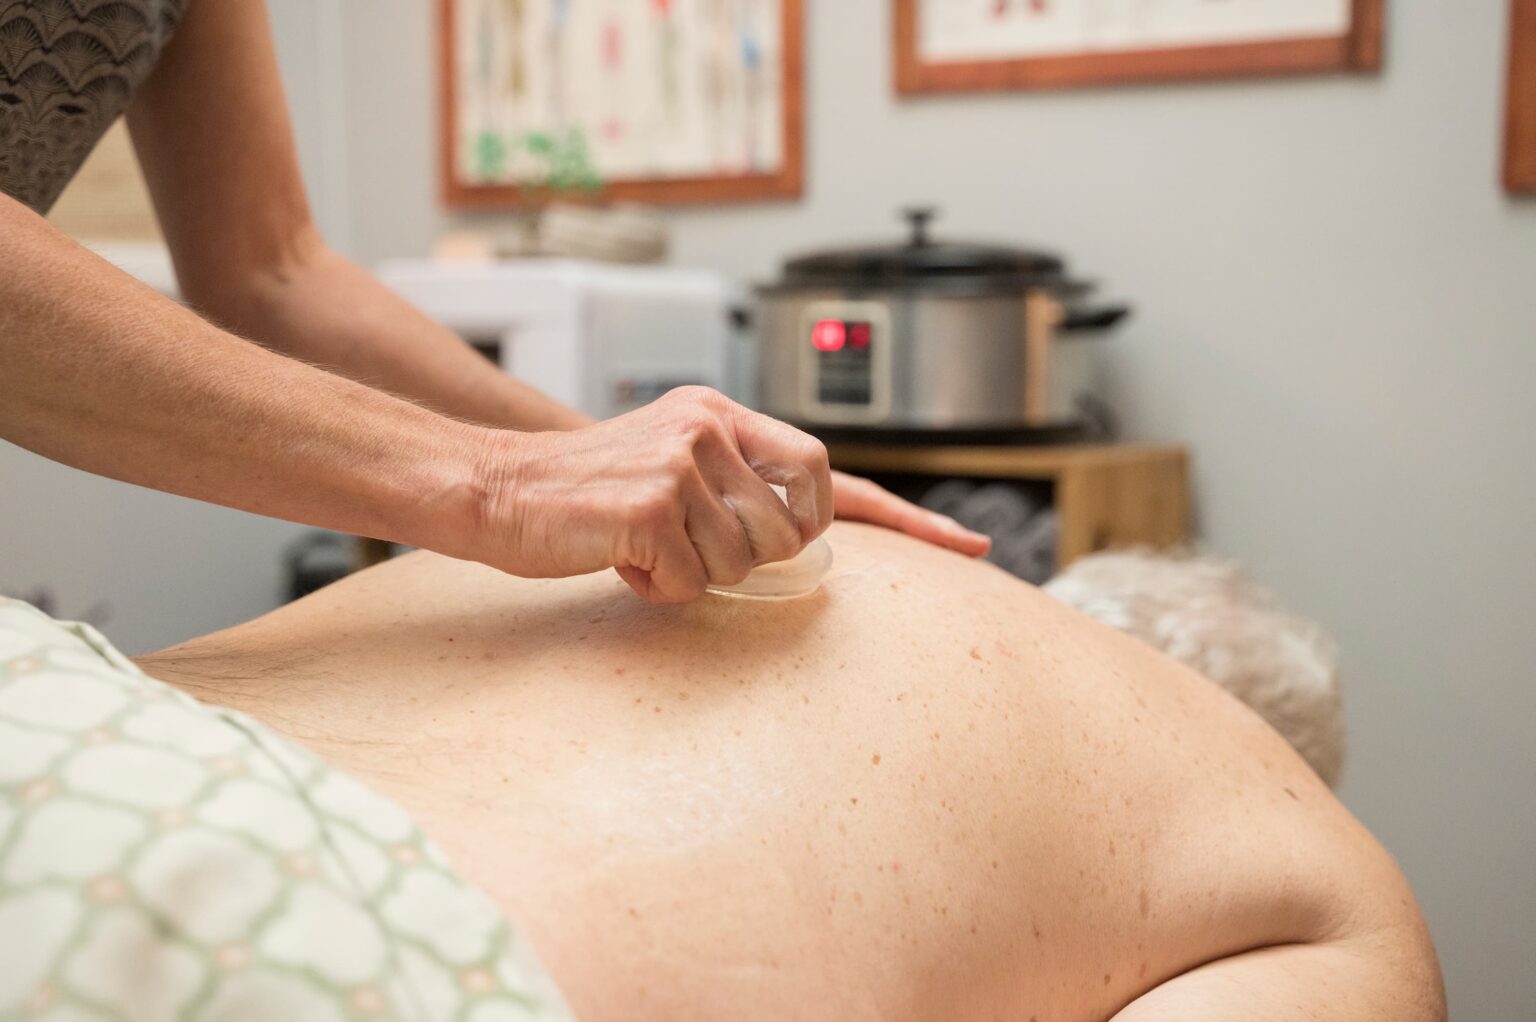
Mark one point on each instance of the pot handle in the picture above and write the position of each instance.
(918, 218)
(1092, 319)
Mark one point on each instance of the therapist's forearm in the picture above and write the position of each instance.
(100, 372)
(318, 306)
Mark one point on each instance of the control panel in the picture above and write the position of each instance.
(843, 360)
(846, 358)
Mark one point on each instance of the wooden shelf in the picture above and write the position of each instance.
(1106, 495)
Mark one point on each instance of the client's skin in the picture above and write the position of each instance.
(927, 792)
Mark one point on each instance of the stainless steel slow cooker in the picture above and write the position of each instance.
(927, 339)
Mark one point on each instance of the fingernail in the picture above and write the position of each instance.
(943, 521)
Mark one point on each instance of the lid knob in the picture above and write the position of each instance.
(919, 217)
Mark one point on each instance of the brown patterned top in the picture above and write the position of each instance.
(67, 70)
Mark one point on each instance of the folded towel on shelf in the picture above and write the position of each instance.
(1023, 528)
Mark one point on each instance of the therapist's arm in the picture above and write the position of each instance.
(101, 372)
(212, 132)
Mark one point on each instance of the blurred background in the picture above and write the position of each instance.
(1334, 316)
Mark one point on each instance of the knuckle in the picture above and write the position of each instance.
(694, 426)
(707, 438)
(654, 506)
(668, 494)
(712, 432)
(678, 467)
(780, 541)
(812, 452)
(699, 395)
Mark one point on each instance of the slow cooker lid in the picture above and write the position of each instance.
(922, 259)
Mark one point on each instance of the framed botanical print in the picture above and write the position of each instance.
(967, 45)
(663, 101)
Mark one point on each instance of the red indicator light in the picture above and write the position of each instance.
(858, 335)
(829, 335)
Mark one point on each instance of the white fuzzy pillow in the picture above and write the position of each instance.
(1209, 616)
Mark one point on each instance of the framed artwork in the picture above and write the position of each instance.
(1520, 118)
(968, 45)
(661, 101)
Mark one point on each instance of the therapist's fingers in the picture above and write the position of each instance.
(781, 454)
(665, 568)
(719, 536)
(676, 578)
(637, 579)
(772, 531)
(679, 574)
(861, 500)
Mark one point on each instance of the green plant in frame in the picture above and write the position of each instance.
(566, 160)
(559, 160)
(490, 156)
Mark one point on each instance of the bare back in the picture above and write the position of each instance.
(929, 791)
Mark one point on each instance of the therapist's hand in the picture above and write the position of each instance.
(860, 500)
(675, 496)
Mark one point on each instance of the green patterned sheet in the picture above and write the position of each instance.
(165, 860)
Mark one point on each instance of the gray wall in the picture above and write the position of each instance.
(1337, 312)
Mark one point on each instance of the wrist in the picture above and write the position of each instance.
(476, 520)
(442, 506)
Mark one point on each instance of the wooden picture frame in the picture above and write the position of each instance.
(1358, 50)
(1520, 115)
(785, 183)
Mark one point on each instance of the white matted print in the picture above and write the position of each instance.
(960, 30)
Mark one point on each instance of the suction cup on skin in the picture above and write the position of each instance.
(799, 576)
